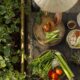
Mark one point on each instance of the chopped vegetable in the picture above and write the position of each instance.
(45, 28)
(48, 27)
(52, 36)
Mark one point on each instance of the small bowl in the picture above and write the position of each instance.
(71, 24)
(67, 39)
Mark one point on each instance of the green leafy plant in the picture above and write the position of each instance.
(41, 65)
(9, 53)
(11, 75)
(75, 57)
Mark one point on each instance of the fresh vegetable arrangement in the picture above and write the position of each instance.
(51, 32)
(42, 66)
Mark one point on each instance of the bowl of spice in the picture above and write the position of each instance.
(71, 24)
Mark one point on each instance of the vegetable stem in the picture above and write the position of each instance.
(64, 65)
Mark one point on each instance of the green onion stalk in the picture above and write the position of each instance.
(64, 66)
(22, 36)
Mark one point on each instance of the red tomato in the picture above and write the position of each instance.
(54, 76)
(50, 73)
(59, 71)
(46, 28)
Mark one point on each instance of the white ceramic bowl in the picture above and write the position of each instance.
(67, 39)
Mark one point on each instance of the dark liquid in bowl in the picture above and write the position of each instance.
(71, 25)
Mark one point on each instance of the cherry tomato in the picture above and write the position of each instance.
(59, 71)
(54, 76)
(46, 28)
(50, 73)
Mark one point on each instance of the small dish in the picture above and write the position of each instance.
(71, 24)
(73, 39)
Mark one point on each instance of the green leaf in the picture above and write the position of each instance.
(1, 58)
(6, 50)
(14, 28)
(2, 62)
(2, 9)
(15, 59)
(7, 21)
(1, 78)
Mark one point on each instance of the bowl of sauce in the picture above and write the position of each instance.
(71, 24)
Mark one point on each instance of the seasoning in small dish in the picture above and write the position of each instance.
(71, 24)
